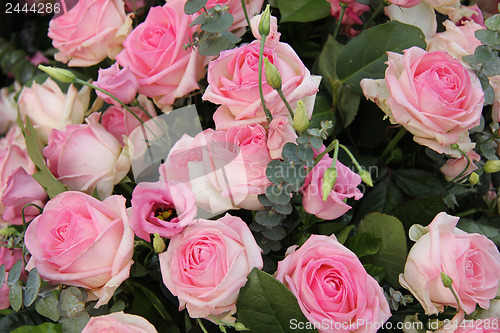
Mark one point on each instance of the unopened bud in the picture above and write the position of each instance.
(329, 179)
(366, 177)
(240, 327)
(158, 243)
(492, 166)
(300, 117)
(474, 178)
(7, 232)
(265, 23)
(447, 281)
(273, 76)
(454, 146)
(59, 74)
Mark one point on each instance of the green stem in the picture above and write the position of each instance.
(353, 159)
(283, 98)
(328, 149)
(137, 104)
(466, 166)
(374, 14)
(244, 5)
(261, 92)
(343, 7)
(395, 140)
(201, 325)
(335, 152)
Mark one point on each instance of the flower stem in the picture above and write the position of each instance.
(343, 7)
(353, 159)
(374, 14)
(261, 92)
(328, 149)
(283, 98)
(201, 325)
(244, 5)
(395, 140)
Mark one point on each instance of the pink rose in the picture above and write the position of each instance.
(163, 207)
(405, 3)
(119, 82)
(81, 241)
(432, 95)
(8, 258)
(459, 41)
(345, 187)
(119, 322)
(351, 16)
(89, 32)
(22, 189)
(154, 53)
(208, 263)
(280, 132)
(273, 37)
(48, 107)
(8, 108)
(455, 166)
(495, 110)
(87, 157)
(332, 286)
(471, 260)
(233, 83)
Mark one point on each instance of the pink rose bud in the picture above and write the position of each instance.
(454, 166)
(118, 82)
(273, 36)
(280, 132)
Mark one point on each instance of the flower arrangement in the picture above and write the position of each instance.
(250, 165)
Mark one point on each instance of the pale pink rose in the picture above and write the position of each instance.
(208, 263)
(165, 208)
(422, 16)
(233, 83)
(119, 82)
(351, 16)
(495, 109)
(119, 121)
(432, 95)
(154, 53)
(119, 322)
(454, 166)
(89, 32)
(8, 257)
(443, 6)
(472, 261)
(81, 241)
(273, 37)
(475, 15)
(280, 132)
(48, 107)
(87, 157)
(345, 187)
(332, 286)
(405, 3)
(8, 108)
(22, 189)
(239, 21)
(459, 41)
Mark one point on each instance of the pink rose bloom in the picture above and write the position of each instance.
(119, 82)
(8, 257)
(208, 263)
(165, 208)
(8, 108)
(351, 16)
(48, 107)
(119, 322)
(495, 110)
(405, 3)
(454, 166)
(332, 286)
(471, 260)
(89, 32)
(280, 132)
(22, 189)
(273, 37)
(154, 53)
(81, 241)
(233, 83)
(345, 187)
(459, 41)
(432, 95)
(87, 157)
(475, 15)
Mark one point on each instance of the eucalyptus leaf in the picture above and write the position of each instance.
(2, 274)
(44, 328)
(32, 287)
(274, 172)
(305, 153)
(268, 218)
(289, 152)
(199, 20)
(283, 209)
(365, 55)
(264, 200)
(493, 22)
(276, 233)
(47, 306)
(217, 23)
(16, 296)
(265, 305)
(193, 6)
(488, 37)
(213, 44)
(74, 324)
(278, 194)
(15, 271)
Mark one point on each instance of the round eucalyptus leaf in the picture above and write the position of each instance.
(192, 6)
(277, 194)
(276, 233)
(2, 274)
(47, 306)
(268, 218)
(274, 172)
(32, 287)
(15, 272)
(290, 152)
(283, 209)
(16, 296)
(218, 23)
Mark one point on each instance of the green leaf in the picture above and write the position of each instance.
(264, 200)
(377, 272)
(15, 271)
(322, 111)
(199, 20)
(289, 152)
(268, 218)
(294, 173)
(17, 319)
(2, 274)
(44, 177)
(327, 62)
(382, 198)
(274, 172)
(393, 249)
(365, 55)
(213, 44)
(348, 104)
(266, 305)
(44, 328)
(156, 302)
(493, 22)
(16, 296)
(75, 324)
(32, 287)
(417, 183)
(488, 37)
(192, 6)
(283, 209)
(217, 23)
(364, 244)
(344, 233)
(47, 306)
(486, 226)
(276, 233)
(305, 153)
(277, 194)
(303, 10)
(419, 211)
(71, 302)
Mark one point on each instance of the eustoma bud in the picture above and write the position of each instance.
(366, 177)
(59, 74)
(273, 76)
(265, 23)
(492, 166)
(329, 179)
(300, 118)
